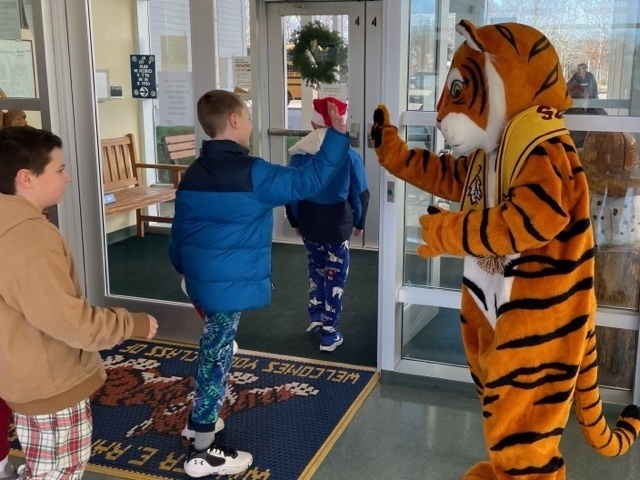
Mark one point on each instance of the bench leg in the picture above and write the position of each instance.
(139, 224)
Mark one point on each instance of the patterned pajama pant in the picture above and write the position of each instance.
(328, 266)
(214, 362)
(56, 446)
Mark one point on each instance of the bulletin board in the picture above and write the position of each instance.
(17, 68)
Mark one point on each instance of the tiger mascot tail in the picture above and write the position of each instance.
(528, 302)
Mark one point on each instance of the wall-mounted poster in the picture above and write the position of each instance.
(17, 68)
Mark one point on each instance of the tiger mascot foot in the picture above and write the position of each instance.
(480, 471)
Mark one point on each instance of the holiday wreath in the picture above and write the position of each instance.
(318, 53)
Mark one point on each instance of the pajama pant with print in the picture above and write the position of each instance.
(328, 265)
(214, 362)
(56, 446)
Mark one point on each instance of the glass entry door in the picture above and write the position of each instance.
(290, 98)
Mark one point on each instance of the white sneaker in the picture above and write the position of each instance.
(216, 460)
(190, 434)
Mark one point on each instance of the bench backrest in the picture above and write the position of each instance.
(119, 160)
(178, 147)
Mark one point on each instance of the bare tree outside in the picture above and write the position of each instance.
(580, 30)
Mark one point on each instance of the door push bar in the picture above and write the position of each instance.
(354, 133)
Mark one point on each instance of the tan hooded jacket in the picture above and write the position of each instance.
(49, 333)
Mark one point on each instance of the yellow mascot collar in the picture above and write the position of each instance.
(521, 135)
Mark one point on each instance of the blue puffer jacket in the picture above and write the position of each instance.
(222, 228)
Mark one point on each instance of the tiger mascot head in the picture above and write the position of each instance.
(499, 71)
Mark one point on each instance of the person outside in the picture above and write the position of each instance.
(49, 334)
(582, 84)
(326, 222)
(221, 242)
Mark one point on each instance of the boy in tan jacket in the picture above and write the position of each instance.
(49, 333)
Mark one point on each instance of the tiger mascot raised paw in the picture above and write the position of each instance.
(528, 302)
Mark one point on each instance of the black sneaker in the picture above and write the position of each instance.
(216, 460)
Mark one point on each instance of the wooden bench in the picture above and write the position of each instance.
(120, 169)
(179, 147)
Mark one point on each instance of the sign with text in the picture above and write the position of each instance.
(9, 20)
(242, 72)
(143, 76)
(336, 90)
(17, 75)
(175, 98)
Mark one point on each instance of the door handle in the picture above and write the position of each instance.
(287, 132)
(354, 135)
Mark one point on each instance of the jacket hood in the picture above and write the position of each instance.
(310, 143)
(14, 210)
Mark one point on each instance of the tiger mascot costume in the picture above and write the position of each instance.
(528, 302)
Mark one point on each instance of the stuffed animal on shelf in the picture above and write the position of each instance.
(524, 230)
(12, 118)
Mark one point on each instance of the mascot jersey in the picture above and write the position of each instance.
(528, 302)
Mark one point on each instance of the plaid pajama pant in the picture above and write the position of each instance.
(56, 446)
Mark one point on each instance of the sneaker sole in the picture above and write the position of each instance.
(191, 434)
(314, 327)
(332, 347)
(197, 471)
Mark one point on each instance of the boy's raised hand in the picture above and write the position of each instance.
(336, 120)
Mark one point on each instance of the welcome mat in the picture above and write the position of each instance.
(287, 412)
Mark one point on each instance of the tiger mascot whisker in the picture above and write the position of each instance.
(528, 301)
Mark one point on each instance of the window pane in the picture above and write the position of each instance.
(611, 162)
(298, 94)
(596, 42)
(432, 334)
(617, 353)
(424, 57)
(170, 32)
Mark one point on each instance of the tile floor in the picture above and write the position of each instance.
(403, 433)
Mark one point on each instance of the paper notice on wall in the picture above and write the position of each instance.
(175, 98)
(17, 78)
(9, 20)
(174, 53)
(242, 72)
(336, 90)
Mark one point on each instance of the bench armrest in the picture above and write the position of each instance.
(176, 170)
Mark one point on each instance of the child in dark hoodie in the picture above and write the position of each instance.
(326, 222)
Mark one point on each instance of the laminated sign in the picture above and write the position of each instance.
(143, 76)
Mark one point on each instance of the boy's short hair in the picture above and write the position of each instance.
(214, 108)
(24, 147)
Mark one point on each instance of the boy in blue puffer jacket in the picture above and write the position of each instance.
(326, 222)
(221, 243)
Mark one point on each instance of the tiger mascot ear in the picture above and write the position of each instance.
(498, 72)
